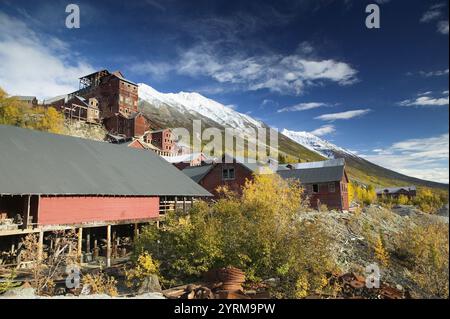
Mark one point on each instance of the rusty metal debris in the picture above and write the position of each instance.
(222, 283)
(354, 286)
(226, 283)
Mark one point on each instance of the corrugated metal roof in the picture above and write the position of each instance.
(33, 162)
(314, 175)
(196, 173)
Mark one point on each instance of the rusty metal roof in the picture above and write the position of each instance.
(33, 162)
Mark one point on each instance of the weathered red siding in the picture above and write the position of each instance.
(214, 178)
(140, 125)
(333, 200)
(78, 209)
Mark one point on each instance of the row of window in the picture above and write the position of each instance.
(127, 100)
(129, 86)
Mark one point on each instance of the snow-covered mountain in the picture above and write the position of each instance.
(317, 144)
(197, 103)
(180, 109)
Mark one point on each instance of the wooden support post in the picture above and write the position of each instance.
(95, 249)
(27, 213)
(136, 230)
(176, 203)
(41, 245)
(88, 241)
(80, 245)
(184, 204)
(108, 246)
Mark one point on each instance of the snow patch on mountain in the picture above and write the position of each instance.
(316, 144)
(195, 102)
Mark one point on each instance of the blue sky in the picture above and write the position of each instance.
(297, 65)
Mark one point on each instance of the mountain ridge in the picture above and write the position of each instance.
(179, 109)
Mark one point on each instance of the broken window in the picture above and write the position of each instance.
(315, 188)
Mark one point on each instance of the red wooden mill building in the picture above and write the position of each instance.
(50, 182)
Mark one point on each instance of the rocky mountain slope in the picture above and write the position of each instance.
(359, 169)
(180, 109)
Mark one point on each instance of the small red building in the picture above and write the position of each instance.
(132, 125)
(232, 173)
(325, 182)
(162, 139)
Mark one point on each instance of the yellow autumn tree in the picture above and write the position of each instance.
(403, 200)
(258, 230)
(351, 192)
(17, 113)
(381, 253)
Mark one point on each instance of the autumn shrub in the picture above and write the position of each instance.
(8, 282)
(144, 266)
(45, 267)
(100, 283)
(258, 231)
(365, 195)
(425, 250)
(429, 201)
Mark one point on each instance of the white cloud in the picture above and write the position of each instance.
(324, 130)
(287, 74)
(343, 115)
(443, 27)
(31, 64)
(427, 100)
(425, 158)
(434, 73)
(302, 107)
(435, 12)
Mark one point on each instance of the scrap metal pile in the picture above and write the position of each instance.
(353, 286)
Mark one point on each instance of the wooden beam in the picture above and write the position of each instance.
(136, 230)
(41, 245)
(108, 246)
(88, 241)
(27, 213)
(80, 245)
